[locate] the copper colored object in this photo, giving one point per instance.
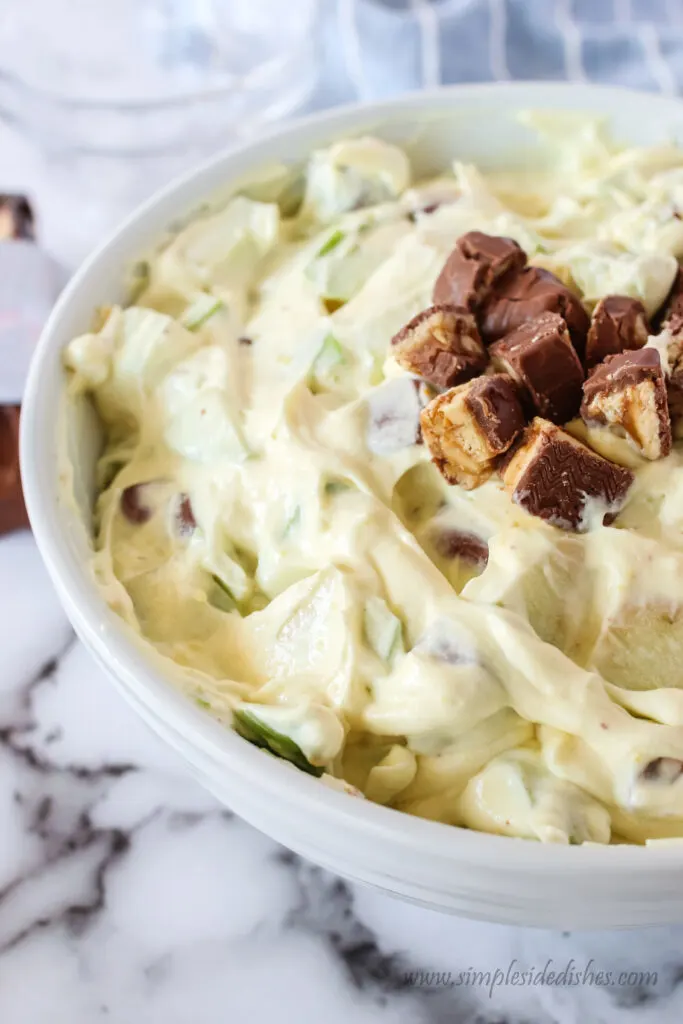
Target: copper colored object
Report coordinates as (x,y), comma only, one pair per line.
(442,345)
(627,393)
(16,217)
(553,476)
(474,266)
(618,324)
(467,428)
(12,509)
(540,357)
(17,226)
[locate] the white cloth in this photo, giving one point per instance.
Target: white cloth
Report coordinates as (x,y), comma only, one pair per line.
(375,48)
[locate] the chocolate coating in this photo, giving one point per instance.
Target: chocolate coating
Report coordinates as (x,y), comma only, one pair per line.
(442,345)
(452,543)
(477,261)
(553,476)
(619,323)
(541,358)
(494,405)
(468,427)
(671,313)
(638,377)
(662,769)
(134,506)
(627,369)
(524,295)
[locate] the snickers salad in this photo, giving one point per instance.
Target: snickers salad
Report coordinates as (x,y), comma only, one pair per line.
(391,479)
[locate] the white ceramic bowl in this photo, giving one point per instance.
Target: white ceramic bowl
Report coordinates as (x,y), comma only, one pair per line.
(451,869)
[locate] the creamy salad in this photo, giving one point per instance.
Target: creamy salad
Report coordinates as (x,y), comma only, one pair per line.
(271,521)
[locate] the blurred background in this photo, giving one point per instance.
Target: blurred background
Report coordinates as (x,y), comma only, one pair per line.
(101,101)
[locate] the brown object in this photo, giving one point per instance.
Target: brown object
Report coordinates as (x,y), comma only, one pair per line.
(12,509)
(618,324)
(674,387)
(468,427)
(541,358)
(16,222)
(670,319)
(451,543)
(16,218)
(553,476)
(425,210)
(524,295)
(442,345)
(671,339)
(662,769)
(134,506)
(628,393)
(671,313)
(470,271)
(185,521)
(675,399)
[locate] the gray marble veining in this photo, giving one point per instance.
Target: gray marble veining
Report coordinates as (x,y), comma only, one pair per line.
(128,895)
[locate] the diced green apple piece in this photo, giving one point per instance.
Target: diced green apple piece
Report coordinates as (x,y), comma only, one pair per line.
(249,726)
(324,371)
(383,630)
(198,312)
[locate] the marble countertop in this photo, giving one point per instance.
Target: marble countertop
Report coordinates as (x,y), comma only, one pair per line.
(128,896)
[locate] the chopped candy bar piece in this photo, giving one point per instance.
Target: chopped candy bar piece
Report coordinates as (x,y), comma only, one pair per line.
(674,389)
(628,394)
(135,505)
(671,314)
(555,477)
(442,345)
(471,269)
(662,769)
(451,543)
(458,552)
(521,296)
(16,218)
(619,323)
(468,427)
(669,345)
(541,358)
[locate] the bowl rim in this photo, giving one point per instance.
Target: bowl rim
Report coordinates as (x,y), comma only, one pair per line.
(117,646)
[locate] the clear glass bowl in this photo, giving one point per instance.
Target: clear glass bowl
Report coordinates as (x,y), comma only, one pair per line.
(119,97)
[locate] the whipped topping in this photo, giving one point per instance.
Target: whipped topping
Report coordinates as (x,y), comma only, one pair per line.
(284,545)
